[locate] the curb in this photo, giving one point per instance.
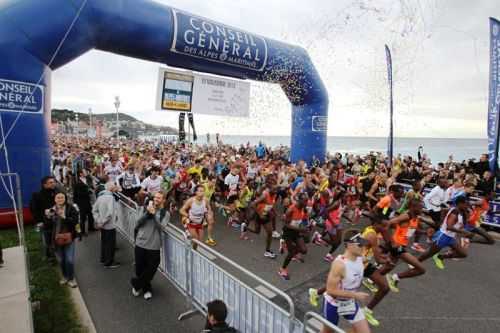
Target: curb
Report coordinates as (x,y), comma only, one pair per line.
(82,311)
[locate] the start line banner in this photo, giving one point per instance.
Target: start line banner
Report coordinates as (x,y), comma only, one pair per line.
(202,94)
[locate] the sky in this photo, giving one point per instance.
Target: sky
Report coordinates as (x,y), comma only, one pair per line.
(440,51)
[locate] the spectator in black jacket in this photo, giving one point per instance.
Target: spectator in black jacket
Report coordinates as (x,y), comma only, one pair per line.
(216,318)
(82,198)
(486,184)
(65,221)
(40,201)
(482,166)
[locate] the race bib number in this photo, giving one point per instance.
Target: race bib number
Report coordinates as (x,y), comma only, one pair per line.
(346,308)
(267,208)
(410,233)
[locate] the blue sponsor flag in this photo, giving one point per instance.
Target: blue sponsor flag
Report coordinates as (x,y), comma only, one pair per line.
(390,142)
(494,94)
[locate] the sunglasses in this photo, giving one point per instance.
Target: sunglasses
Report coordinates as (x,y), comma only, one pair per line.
(358,240)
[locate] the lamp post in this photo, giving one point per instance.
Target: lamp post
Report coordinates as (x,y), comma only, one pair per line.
(90,121)
(117,106)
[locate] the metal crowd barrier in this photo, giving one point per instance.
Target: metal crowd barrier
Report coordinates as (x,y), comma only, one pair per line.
(198,275)
(309,319)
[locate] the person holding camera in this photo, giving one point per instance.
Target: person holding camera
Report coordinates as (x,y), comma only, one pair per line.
(64,219)
(40,202)
(147,236)
(216,318)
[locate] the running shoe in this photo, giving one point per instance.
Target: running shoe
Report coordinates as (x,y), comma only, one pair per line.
(235,225)
(284,274)
(210,242)
(370,285)
(318,240)
(313,297)
(270,255)
(282,246)
(298,258)
(276,234)
(438,261)
(393,280)
(148,295)
(72,284)
(417,247)
(135,292)
(329,257)
(370,318)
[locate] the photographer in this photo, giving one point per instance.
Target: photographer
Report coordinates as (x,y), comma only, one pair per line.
(40,202)
(216,318)
(64,219)
(147,235)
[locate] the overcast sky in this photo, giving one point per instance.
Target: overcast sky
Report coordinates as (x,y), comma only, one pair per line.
(440,51)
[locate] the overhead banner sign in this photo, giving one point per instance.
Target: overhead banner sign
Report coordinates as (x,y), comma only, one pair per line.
(202,94)
(19,96)
(219,96)
(201,38)
(175,91)
(494,94)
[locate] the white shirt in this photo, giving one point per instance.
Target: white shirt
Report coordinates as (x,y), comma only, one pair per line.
(152,185)
(434,199)
(113,171)
(232,181)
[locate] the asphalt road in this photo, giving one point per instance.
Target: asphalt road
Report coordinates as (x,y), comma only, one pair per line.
(461,299)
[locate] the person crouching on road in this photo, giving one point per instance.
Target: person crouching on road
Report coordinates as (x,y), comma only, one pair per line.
(147,244)
(104,214)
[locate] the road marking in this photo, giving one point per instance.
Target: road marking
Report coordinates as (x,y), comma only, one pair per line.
(266,292)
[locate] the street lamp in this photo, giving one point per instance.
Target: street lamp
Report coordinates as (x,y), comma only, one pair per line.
(117,106)
(90,122)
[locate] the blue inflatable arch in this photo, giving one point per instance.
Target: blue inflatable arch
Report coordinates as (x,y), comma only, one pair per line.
(37,37)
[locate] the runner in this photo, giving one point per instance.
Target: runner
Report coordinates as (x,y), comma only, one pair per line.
(448,234)
(479,210)
(263,206)
(296,223)
(194,213)
(344,279)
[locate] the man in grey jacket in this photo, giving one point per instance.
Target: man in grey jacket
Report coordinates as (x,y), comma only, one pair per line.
(147,244)
(104,213)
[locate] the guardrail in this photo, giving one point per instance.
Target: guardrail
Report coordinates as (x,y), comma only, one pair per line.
(199,276)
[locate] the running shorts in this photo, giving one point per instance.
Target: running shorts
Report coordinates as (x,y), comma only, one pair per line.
(196,226)
(262,220)
(369,270)
(442,240)
(397,251)
(330,314)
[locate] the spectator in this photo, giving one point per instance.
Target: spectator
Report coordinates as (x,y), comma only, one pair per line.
(40,201)
(482,166)
(82,197)
(487,183)
(147,244)
(64,219)
(216,318)
(105,216)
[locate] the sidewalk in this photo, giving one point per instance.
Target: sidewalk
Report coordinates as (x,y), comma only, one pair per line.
(107,294)
(15,314)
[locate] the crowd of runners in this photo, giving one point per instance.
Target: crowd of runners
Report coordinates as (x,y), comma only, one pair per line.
(408,212)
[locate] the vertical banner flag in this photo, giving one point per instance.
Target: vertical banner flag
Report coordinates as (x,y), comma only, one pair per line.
(182,131)
(390,143)
(191,123)
(494,94)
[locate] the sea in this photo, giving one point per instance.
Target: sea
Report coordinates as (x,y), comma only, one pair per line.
(438,149)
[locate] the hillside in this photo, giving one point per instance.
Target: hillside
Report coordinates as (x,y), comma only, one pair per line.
(63,115)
